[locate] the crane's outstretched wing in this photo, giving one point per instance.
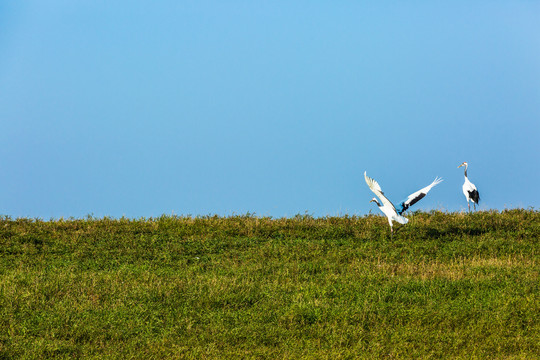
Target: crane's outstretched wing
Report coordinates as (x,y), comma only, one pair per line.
(416,196)
(374,186)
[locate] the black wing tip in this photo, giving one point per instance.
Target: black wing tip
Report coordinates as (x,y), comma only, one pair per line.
(407,204)
(417,199)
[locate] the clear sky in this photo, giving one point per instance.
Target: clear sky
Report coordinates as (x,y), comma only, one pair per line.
(139,108)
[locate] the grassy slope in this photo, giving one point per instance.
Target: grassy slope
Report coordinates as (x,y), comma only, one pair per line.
(447,285)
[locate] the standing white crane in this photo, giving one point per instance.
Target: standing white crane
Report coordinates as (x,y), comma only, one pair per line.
(391,212)
(469,189)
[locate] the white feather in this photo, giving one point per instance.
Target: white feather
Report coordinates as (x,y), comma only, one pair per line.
(387,207)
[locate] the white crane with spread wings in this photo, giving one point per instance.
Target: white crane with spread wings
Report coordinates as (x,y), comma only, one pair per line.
(391,212)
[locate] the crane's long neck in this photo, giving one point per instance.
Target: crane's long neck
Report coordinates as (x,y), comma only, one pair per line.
(376,202)
(466,165)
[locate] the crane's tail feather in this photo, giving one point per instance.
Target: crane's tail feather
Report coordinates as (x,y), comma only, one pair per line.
(402,220)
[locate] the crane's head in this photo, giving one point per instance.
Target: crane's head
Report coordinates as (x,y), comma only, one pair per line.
(375,201)
(463,164)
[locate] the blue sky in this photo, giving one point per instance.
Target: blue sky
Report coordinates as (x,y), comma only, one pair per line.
(138,109)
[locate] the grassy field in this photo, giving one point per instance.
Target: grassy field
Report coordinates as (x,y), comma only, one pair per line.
(447,285)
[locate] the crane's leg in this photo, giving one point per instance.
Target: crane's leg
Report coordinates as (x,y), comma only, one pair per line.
(474,204)
(469,205)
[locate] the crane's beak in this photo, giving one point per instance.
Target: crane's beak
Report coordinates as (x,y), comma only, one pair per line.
(460,165)
(372,200)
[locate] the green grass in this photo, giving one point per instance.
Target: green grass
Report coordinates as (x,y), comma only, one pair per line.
(447,285)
